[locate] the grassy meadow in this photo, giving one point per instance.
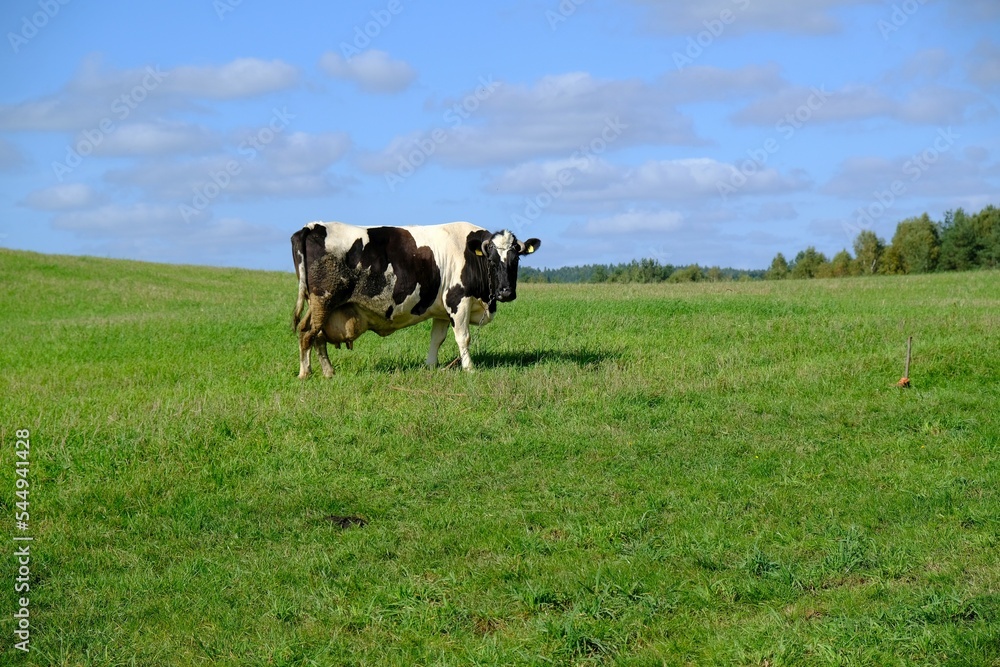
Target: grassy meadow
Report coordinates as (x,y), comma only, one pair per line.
(636,475)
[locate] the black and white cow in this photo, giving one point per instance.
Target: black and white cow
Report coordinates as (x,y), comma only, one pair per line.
(382,279)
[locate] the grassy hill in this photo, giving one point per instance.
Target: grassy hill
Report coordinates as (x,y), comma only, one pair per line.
(710,474)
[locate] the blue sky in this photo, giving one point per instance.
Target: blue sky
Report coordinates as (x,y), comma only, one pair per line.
(716,132)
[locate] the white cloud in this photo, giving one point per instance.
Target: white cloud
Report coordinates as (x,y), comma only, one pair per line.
(121,219)
(243,77)
(929,172)
(10,156)
(373,71)
(772,210)
(562,115)
(976,11)
(153,221)
(976,154)
(292,165)
(702,83)
(983,67)
(159,233)
(931,104)
(62,112)
(303,153)
(62,197)
(531,177)
(634,222)
(98,94)
(677,238)
(936,105)
(156,138)
(598,183)
(558,116)
(924,65)
(745,16)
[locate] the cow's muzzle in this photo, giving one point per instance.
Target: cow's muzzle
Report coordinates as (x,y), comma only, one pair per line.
(506,294)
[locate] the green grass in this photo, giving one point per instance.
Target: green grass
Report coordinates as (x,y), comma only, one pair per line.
(716,474)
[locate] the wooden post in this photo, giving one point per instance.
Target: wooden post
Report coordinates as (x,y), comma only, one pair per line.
(906,368)
(904,382)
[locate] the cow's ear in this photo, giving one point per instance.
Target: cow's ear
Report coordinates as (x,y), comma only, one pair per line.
(478,245)
(530,246)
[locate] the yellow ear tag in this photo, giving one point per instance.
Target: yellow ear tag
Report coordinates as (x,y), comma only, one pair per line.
(531,249)
(479,253)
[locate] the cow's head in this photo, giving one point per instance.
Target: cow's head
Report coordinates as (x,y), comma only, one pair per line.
(502,252)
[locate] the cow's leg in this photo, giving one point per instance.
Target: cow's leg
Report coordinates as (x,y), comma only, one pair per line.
(461,322)
(310,334)
(439,330)
(324,358)
(305,368)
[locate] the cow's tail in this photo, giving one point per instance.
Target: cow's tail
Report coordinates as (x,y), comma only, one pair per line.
(299,257)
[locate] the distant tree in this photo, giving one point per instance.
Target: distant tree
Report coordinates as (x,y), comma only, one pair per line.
(807,263)
(824,270)
(918,244)
(647,271)
(600,274)
(960,244)
(842,265)
(987,224)
(688,274)
(868,249)
(531,275)
(891,263)
(715,275)
(779,268)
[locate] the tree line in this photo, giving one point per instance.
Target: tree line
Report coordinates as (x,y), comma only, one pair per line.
(636,271)
(960,242)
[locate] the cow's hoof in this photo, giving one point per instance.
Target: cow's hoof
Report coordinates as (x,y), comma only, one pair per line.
(304,375)
(328,374)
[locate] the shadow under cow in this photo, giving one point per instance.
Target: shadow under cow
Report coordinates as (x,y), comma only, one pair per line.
(485,359)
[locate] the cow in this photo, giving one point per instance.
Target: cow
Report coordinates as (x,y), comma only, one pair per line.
(382,279)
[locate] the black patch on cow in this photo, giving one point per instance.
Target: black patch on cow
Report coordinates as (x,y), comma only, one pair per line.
(314,248)
(353,257)
(453,298)
(475,271)
(388,312)
(395,247)
(298,246)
